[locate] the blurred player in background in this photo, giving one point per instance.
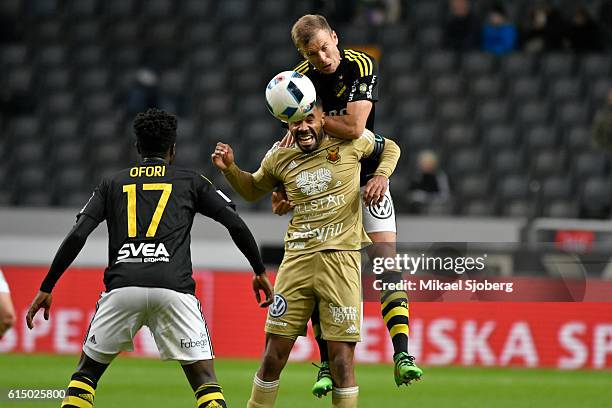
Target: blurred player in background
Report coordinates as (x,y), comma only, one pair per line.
(321,266)
(149,210)
(7,311)
(346,80)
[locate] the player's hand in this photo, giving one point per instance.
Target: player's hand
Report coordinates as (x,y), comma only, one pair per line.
(287,140)
(41,301)
(261,282)
(280,203)
(375,190)
(223,156)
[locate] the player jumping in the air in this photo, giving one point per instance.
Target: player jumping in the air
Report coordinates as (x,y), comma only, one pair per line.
(321,266)
(149,210)
(347,81)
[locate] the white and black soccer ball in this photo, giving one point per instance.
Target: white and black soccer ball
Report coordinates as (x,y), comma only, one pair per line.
(290,96)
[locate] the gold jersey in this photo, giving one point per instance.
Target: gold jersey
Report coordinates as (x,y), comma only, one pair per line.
(324,187)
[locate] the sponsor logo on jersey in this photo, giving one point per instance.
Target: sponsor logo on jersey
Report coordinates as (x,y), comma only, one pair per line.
(320,233)
(328,202)
(333,154)
(352,330)
(363,88)
(278,307)
(314,183)
(92,339)
(143,253)
(382,210)
(292,165)
(296,245)
(341,314)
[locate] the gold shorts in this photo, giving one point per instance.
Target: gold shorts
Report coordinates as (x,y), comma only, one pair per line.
(327,280)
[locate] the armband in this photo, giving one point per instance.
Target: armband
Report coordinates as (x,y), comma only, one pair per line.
(379,145)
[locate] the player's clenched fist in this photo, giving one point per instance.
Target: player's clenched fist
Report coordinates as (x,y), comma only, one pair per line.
(223,156)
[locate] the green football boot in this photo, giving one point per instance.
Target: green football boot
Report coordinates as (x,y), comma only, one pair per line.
(405,369)
(324,381)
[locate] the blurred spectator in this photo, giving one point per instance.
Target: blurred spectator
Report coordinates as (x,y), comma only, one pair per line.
(143,93)
(430,185)
(584,32)
(544,30)
(605,20)
(499,35)
(379,12)
(602,125)
(462,27)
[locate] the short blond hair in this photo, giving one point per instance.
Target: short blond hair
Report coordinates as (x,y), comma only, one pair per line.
(306,26)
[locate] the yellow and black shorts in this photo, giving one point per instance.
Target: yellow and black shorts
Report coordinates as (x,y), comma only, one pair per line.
(328,280)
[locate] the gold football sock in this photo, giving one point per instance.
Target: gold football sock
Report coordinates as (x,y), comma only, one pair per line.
(345,397)
(263,394)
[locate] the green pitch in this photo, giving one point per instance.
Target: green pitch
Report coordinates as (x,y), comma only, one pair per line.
(132,382)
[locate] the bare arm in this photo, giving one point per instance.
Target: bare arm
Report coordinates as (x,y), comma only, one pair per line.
(351,125)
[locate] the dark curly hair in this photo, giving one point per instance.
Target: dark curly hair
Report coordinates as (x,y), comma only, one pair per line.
(155,131)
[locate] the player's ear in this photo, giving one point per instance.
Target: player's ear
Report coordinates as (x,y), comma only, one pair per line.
(334,37)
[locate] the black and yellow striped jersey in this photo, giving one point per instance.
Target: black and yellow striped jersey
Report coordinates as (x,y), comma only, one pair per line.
(149,210)
(355,79)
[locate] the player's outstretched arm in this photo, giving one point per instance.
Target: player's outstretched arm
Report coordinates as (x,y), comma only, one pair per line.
(350,125)
(67,252)
(244,240)
(243,182)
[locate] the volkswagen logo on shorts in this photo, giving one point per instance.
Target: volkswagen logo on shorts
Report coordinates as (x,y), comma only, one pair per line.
(382,210)
(278,307)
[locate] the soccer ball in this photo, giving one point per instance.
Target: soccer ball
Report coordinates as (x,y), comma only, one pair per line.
(290,96)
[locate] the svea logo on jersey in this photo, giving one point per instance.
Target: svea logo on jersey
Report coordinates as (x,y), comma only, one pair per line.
(143,253)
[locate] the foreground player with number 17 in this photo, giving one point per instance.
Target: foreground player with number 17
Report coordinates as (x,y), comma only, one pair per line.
(321,265)
(149,210)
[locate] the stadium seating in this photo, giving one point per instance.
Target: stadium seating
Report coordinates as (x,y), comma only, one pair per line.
(499,124)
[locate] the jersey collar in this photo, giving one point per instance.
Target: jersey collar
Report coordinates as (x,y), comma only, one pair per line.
(153,159)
